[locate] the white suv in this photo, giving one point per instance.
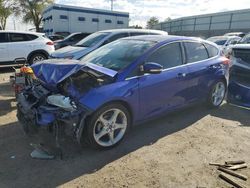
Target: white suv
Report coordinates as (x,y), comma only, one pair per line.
(16,47)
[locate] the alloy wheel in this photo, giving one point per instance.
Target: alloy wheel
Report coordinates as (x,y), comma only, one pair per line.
(110,127)
(218,93)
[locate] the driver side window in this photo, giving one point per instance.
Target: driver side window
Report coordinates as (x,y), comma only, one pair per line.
(168,56)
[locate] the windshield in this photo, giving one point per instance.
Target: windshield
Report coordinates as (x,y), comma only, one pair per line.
(245,39)
(218,41)
(92,39)
(118,54)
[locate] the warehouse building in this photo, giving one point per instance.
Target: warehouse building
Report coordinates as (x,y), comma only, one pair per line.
(69,19)
(208,24)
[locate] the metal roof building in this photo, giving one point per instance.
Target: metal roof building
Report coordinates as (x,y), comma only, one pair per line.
(64,18)
(207,25)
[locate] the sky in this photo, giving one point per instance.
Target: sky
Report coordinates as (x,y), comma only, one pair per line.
(141,10)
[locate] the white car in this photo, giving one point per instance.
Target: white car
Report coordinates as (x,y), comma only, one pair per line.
(225,43)
(16,47)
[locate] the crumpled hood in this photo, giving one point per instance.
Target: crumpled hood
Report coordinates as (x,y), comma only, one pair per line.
(68,51)
(53,71)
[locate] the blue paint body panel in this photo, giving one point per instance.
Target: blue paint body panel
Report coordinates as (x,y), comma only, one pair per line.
(148,95)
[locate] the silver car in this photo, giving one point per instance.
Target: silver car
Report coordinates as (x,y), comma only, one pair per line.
(99,39)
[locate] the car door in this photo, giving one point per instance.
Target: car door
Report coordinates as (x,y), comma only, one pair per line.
(239,82)
(20,46)
(4,47)
(165,91)
(201,68)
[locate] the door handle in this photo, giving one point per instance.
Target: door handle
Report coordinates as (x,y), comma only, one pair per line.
(181,75)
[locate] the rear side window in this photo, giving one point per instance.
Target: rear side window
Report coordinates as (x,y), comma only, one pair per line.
(19,37)
(137,33)
(195,52)
(212,50)
(3,37)
(168,56)
(116,37)
(31,37)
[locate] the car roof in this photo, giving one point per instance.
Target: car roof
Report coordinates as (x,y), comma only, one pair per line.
(224,37)
(134,30)
(164,38)
(22,32)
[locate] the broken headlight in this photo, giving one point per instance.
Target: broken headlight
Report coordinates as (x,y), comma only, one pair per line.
(62,101)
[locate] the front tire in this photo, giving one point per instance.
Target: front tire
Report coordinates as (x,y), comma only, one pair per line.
(107,126)
(217,94)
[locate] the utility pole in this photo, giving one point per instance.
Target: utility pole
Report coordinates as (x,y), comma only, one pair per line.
(112,5)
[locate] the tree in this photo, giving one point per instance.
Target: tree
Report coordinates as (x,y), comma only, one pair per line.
(167,19)
(32,11)
(135,26)
(6,9)
(152,21)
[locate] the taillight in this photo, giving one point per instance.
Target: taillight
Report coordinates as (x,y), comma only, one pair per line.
(226,61)
(50,43)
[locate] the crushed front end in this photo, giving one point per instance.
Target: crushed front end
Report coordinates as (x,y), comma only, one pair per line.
(39,108)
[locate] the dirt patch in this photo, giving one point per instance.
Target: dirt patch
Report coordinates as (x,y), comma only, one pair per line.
(173,151)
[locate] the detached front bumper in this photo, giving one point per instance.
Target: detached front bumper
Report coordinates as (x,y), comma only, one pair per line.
(34,113)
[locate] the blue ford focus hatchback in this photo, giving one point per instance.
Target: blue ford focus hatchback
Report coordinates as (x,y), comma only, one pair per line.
(120,84)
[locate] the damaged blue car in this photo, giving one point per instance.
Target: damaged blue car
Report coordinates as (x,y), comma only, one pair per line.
(125,82)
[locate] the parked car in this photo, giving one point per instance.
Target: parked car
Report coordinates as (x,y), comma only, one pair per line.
(18,46)
(239,85)
(70,40)
(245,39)
(225,42)
(99,39)
(123,83)
(238,34)
(56,37)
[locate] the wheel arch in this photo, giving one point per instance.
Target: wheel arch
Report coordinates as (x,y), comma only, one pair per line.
(37,52)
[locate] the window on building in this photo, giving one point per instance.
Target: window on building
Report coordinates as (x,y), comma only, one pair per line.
(63,17)
(168,56)
(95,20)
(81,19)
(108,21)
(195,52)
(120,22)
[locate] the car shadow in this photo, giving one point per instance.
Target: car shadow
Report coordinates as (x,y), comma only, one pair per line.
(229,112)
(78,161)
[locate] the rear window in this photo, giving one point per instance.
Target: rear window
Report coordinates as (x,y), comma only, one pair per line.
(195,52)
(19,37)
(212,50)
(3,37)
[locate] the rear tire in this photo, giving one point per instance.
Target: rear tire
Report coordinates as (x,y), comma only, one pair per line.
(37,57)
(217,94)
(107,127)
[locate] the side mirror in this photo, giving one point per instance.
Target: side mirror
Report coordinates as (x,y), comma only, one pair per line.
(151,68)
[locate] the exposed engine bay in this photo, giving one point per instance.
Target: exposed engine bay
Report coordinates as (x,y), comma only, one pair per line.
(58,110)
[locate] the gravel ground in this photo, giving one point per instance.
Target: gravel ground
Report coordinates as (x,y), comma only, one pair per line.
(170,152)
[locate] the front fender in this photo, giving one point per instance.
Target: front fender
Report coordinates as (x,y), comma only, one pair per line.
(126,91)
